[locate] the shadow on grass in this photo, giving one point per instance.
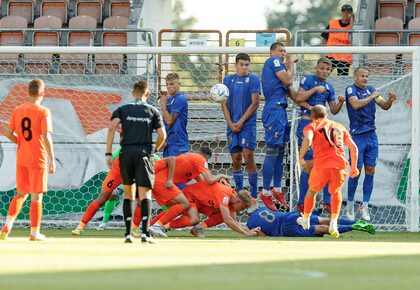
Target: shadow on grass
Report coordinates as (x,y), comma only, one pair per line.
(354,236)
(386,272)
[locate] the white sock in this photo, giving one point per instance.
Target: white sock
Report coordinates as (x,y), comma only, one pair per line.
(365,205)
(35,233)
(333,224)
(266,192)
(9,223)
(277,189)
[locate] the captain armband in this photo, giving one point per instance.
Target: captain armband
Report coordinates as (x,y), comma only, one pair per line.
(378,99)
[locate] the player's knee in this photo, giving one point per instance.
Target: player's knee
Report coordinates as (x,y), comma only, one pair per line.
(370,170)
(185,203)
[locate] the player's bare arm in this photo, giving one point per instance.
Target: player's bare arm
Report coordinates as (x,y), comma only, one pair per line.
(168,117)
(46,138)
(10,134)
(354,172)
(303,95)
(110,139)
(386,105)
(335,107)
(170,163)
(226,113)
(161,138)
(250,111)
(357,103)
(305,105)
(210,178)
(234,225)
(286,76)
(306,143)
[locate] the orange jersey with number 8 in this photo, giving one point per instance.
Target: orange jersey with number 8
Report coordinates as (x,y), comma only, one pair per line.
(29,122)
(328,144)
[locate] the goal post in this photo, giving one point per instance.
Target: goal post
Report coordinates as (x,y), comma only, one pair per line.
(85,101)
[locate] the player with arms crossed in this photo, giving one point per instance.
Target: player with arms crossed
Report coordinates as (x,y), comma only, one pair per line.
(315,90)
(240,111)
(219,202)
(175,117)
(30,128)
(277,78)
(330,164)
(361,107)
(286,224)
(138,121)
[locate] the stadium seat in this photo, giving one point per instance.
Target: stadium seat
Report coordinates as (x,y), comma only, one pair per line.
(56,8)
(24,8)
(77,63)
(120,8)
(112,63)
(416,12)
(388,38)
(42,63)
(414,38)
(10,62)
(393,8)
(91,8)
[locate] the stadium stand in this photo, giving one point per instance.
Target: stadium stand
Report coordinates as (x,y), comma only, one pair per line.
(388,38)
(90,8)
(23,8)
(392,8)
(120,8)
(9,63)
(56,8)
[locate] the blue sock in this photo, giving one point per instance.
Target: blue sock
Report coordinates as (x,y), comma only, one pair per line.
(345,222)
(238,176)
(303,186)
(326,196)
(352,186)
(367,187)
(253,183)
(268,167)
(181,185)
(344,228)
(278,169)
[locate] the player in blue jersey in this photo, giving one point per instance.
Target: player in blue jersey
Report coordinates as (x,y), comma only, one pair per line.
(175,116)
(240,111)
(315,90)
(276,224)
(277,78)
(361,101)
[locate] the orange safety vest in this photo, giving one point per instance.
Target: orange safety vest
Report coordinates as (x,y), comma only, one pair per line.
(339,39)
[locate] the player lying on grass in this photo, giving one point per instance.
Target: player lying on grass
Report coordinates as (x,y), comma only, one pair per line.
(177,170)
(276,224)
(219,202)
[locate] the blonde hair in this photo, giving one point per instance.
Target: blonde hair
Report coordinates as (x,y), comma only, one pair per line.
(36,88)
(172,76)
(245,196)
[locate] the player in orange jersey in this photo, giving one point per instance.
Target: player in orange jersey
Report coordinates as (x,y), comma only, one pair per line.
(219,202)
(178,170)
(30,128)
(330,164)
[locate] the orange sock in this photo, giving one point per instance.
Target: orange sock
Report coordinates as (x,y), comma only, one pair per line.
(170,214)
(35,214)
(137,216)
(156,218)
(89,213)
(213,220)
(180,222)
(336,200)
(308,206)
(15,207)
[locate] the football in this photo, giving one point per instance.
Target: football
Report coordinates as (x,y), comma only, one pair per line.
(219,92)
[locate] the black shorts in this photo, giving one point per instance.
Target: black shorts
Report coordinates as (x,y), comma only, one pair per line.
(138,168)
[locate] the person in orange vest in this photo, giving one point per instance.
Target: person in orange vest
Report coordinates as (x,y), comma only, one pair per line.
(340,61)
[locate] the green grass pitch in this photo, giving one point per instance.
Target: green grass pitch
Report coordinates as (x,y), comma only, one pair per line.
(224,260)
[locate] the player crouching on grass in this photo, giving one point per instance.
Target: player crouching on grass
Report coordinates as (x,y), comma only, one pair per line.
(219,202)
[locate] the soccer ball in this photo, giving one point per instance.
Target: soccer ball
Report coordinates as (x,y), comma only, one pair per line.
(219,92)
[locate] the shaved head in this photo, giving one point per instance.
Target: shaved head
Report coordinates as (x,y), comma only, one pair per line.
(318,112)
